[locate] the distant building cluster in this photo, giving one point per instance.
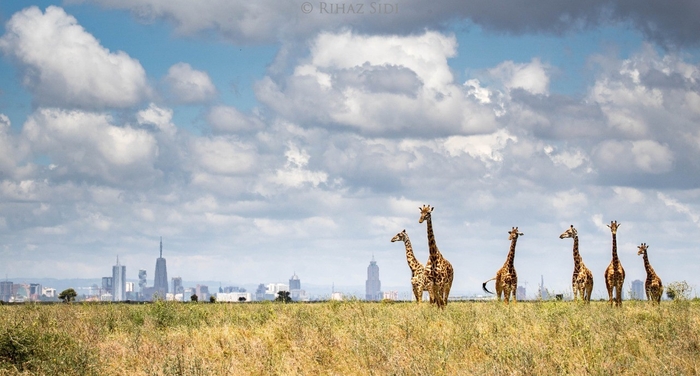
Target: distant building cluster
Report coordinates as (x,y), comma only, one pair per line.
(25,292)
(116,288)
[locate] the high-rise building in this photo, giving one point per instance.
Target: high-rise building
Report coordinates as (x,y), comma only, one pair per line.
(107,283)
(294,282)
(543,292)
(260,292)
(295,291)
(373,286)
(6,290)
(520,293)
(118,282)
(160,283)
(177,285)
(637,290)
(202,292)
(142,280)
(34,291)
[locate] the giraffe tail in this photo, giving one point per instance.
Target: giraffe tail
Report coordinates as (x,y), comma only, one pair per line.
(483,285)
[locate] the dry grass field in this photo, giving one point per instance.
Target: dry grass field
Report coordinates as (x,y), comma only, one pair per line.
(351,338)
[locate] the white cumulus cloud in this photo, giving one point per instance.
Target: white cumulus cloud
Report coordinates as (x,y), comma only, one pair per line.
(63,65)
(89,145)
(188,85)
(379,85)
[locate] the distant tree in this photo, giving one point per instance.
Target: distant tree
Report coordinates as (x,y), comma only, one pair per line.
(67,295)
(212,299)
(678,290)
(284,297)
(241,299)
(194,297)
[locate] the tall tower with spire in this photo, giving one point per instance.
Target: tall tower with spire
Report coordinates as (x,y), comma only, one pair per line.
(118,282)
(160,283)
(373,286)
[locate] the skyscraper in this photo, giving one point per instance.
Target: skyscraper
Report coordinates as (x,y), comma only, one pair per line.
(118,282)
(142,280)
(107,283)
(160,283)
(544,293)
(638,292)
(5,290)
(373,286)
(294,282)
(177,285)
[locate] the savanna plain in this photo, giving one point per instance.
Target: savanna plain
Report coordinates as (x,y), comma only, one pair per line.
(351,338)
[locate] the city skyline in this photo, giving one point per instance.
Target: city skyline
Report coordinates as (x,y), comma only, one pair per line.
(304,142)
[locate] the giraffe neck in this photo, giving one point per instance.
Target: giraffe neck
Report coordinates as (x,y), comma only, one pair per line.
(577,256)
(432,247)
(615,260)
(413,263)
(647,265)
(511,254)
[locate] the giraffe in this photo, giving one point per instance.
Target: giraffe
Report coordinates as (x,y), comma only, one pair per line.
(419,278)
(506,277)
(440,272)
(582,281)
(614,274)
(652,285)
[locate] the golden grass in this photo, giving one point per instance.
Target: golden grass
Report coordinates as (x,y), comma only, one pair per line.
(351,338)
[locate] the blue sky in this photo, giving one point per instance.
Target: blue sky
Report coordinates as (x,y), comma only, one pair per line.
(259,140)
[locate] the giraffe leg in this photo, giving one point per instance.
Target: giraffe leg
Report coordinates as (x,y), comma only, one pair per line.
(431,297)
(608,285)
(448,287)
(436,294)
(418,292)
(618,295)
(589,290)
(499,286)
(506,293)
(443,300)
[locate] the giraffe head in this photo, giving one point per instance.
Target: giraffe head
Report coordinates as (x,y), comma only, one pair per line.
(514,234)
(613,226)
(401,236)
(642,249)
(569,233)
(425,213)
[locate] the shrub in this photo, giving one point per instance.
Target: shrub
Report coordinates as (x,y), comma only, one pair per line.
(67,295)
(678,290)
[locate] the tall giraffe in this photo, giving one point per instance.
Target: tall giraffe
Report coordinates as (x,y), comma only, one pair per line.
(440,274)
(614,274)
(652,285)
(582,281)
(419,278)
(506,277)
